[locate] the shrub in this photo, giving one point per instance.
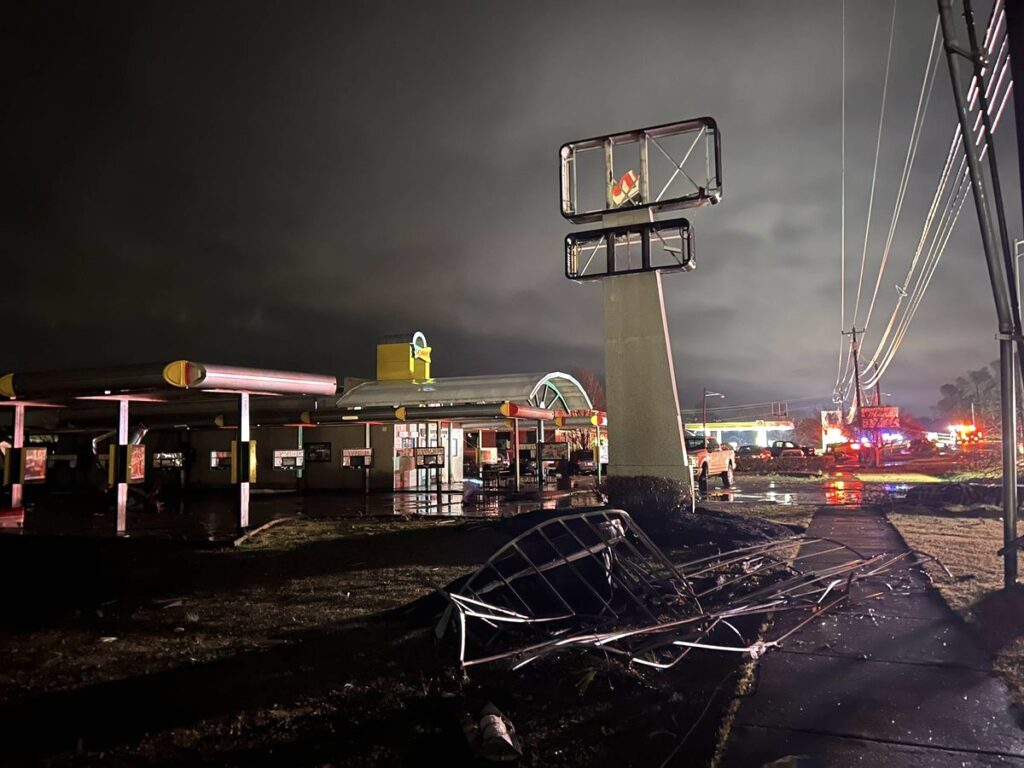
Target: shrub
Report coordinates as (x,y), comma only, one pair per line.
(654,502)
(782,465)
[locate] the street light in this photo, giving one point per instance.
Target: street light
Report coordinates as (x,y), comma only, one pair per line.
(704,411)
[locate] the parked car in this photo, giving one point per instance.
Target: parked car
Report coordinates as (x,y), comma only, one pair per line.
(787,448)
(582,463)
(753,452)
(845,453)
(708,458)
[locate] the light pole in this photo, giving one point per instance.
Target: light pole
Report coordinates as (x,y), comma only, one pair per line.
(704,411)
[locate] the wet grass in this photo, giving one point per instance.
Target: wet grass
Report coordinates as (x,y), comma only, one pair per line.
(783,514)
(967,546)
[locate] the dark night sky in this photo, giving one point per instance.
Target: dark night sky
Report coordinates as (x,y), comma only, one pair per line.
(280,184)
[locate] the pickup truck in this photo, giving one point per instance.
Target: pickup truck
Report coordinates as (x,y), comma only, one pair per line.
(708,458)
(788,448)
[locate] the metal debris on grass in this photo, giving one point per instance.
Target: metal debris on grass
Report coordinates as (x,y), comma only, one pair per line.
(595,580)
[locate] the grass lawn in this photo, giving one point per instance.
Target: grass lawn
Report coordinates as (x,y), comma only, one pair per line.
(967,546)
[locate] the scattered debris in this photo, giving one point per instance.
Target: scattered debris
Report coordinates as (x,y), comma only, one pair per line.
(492,735)
(595,580)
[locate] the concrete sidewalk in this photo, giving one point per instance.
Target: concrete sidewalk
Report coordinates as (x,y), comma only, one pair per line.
(895,681)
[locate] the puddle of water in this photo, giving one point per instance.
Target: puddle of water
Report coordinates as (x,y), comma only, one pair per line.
(839,491)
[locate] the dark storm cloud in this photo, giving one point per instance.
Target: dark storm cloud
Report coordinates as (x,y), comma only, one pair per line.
(281,184)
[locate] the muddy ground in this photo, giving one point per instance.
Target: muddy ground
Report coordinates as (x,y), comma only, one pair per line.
(312,644)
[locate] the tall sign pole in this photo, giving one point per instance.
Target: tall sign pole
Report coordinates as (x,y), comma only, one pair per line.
(628,254)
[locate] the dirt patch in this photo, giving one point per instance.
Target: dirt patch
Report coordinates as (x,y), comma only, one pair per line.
(967,546)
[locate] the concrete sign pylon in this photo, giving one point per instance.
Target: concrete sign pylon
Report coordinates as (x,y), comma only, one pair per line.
(644,425)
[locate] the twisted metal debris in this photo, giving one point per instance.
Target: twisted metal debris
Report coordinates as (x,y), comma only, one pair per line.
(595,580)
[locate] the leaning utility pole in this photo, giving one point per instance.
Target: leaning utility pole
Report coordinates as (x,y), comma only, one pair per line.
(996,257)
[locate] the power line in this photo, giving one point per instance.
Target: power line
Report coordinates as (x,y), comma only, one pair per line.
(908,164)
(842,219)
(954,201)
(874,172)
(950,196)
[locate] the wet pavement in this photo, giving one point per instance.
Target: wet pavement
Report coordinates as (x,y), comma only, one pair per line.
(895,678)
(211,516)
(838,490)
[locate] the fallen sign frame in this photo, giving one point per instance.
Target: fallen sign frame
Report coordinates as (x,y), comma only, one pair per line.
(594,580)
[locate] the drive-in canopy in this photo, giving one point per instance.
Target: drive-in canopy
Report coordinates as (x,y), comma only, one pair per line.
(555,391)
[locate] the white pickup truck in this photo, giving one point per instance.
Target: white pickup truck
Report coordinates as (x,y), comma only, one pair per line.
(707,458)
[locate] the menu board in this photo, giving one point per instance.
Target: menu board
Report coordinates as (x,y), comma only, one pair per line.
(357,457)
(289,459)
(168,461)
(429,457)
(220,459)
(35,464)
(136,463)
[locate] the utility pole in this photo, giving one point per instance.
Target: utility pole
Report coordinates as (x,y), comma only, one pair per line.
(856,368)
(704,412)
(999,260)
(855,348)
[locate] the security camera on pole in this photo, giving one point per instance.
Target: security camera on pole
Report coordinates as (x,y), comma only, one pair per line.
(663,168)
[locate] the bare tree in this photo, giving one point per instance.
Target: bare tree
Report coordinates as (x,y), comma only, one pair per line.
(593,385)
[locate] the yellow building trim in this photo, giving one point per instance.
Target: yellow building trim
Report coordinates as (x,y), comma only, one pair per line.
(176,374)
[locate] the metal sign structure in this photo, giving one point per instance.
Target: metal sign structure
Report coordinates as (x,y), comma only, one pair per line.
(879,417)
(664,246)
(661,168)
(623,180)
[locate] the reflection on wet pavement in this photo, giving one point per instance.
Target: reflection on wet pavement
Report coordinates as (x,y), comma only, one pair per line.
(211,516)
(835,491)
